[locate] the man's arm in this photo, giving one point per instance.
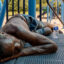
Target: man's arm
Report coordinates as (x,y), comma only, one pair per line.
(44,24)
(44,28)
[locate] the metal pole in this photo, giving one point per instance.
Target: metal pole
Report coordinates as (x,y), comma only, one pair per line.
(32,7)
(58,7)
(23,6)
(51,12)
(18,6)
(54,12)
(2,14)
(62,11)
(12,7)
(0,5)
(40,10)
(47,13)
(7,10)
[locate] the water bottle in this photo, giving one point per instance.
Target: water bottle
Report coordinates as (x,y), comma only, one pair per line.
(55,32)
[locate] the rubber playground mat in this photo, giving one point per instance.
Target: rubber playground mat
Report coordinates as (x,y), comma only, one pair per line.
(56,58)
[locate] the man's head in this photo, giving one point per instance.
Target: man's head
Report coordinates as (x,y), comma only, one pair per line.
(9,45)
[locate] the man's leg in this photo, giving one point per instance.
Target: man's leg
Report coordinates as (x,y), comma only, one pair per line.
(17,28)
(42,44)
(9,45)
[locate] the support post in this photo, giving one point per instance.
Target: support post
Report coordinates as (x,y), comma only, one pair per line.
(51,12)
(62,11)
(6,11)
(57,7)
(23,6)
(0,5)
(47,13)
(12,7)
(2,14)
(40,10)
(32,7)
(18,6)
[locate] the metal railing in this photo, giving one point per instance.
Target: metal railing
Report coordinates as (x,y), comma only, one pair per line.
(40,10)
(7,15)
(54,12)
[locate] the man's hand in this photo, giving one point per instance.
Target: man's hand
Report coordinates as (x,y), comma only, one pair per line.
(49,28)
(48,25)
(47,31)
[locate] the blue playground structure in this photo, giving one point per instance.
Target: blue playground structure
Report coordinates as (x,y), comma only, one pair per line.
(0,5)
(62,11)
(55,12)
(50,12)
(50,15)
(2,12)
(32,7)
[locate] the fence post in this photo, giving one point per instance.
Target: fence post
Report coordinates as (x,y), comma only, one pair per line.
(32,7)
(18,6)
(2,14)
(23,6)
(57,7)
(62,11)
(40,9)
(0,5)
(51,12)
(6,11)
(12,7)
(47,13)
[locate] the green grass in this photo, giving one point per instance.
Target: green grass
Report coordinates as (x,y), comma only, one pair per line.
(10,13)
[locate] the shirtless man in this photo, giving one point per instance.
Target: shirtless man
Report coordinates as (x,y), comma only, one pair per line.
(22,28)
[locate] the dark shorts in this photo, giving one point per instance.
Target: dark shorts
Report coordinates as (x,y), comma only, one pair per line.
(33,24)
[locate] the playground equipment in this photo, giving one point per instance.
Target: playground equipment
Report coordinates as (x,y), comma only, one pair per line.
(32,8)
(50,17)
(44,9)
(2,13)
(62,10)
(50,13)
(55,12)
(0,5)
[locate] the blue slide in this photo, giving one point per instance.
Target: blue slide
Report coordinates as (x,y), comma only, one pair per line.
(2,12)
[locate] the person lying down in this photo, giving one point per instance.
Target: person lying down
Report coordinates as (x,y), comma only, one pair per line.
(21,29)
